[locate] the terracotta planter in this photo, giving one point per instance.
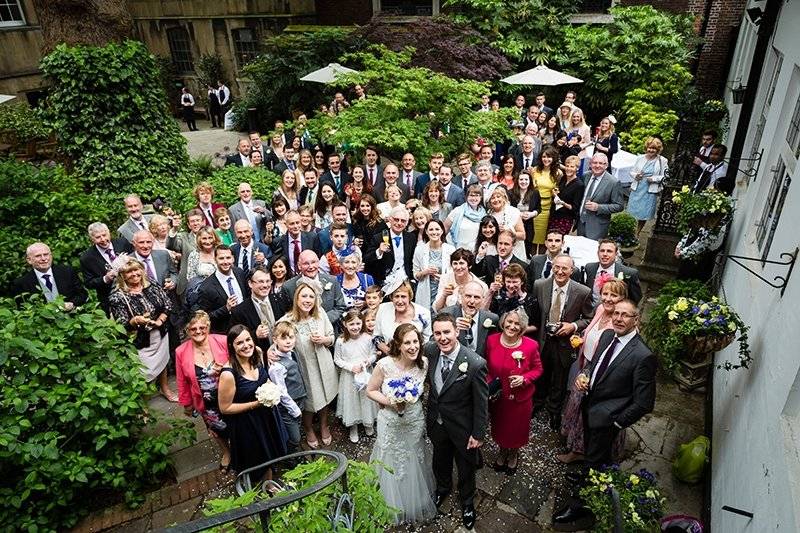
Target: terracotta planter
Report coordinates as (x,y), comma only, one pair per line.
(697,348)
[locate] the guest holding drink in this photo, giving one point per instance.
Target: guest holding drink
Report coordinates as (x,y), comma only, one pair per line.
(198,363)
(566,198)
(612,292)
(452,283)
(431,260)
(513,366)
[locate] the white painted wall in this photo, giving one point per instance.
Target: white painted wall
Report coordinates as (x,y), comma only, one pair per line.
(756,440)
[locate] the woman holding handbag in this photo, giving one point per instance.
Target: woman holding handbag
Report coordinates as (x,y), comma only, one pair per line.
(513,365)
(648,174)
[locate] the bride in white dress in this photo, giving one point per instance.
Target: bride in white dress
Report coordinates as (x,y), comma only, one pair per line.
(405,475)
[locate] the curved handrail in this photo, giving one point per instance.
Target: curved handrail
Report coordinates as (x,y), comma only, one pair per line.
(270,503)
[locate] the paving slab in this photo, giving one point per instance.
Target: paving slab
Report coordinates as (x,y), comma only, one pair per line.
(177,514)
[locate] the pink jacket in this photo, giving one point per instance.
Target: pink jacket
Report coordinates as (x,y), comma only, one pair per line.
(188,388)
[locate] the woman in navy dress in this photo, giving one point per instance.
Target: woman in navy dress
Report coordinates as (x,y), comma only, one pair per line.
(256,432)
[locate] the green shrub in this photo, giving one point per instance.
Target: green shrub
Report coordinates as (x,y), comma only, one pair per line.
(72,417)
(22,122)
(622,229)
(46,204)
(225,182)
(108,108)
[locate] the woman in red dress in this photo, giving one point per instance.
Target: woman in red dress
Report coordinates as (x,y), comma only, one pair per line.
(514,364)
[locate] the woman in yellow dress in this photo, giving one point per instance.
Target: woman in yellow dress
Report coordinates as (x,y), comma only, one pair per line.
(545,178)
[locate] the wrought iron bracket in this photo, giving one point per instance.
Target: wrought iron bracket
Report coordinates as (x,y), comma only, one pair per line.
(751,172)
(778,282)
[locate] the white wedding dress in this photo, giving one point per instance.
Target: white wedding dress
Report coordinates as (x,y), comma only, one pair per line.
(404,463)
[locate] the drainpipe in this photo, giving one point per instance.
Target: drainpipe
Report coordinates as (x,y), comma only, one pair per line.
(766,29)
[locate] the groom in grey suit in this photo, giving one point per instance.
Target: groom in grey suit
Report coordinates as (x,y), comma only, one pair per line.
(603,197)
(457,413)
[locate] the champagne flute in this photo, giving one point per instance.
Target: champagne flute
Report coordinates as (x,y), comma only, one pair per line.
(385,236)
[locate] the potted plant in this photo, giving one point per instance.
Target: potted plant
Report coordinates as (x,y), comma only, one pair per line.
(702,218)
(641,503)
(622,229)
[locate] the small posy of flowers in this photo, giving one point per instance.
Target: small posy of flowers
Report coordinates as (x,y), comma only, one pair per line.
(694,318)
(641,502)
(692,205)
(404,390)
(268,394)
(463,367)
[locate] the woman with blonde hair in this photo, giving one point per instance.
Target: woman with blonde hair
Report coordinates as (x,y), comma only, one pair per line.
(143,308)
(508,217)
(314,339)
(578,127)
(648,176)
(565,115)
(607,141)
(305,161)
(433,199)
(289,188)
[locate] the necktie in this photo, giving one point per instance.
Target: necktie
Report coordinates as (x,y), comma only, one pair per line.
(445,368)
(397,241)
(527,162)
(296,254)
(245,260)
(606,359)
(230,286)
(47,282)
(141,224)
(290,164)
(409,180)
(148,263)
(337,180)
(209,217)
(264,311)
(371,177)
(110,253)
(548,267)
(555,309)
(503,265)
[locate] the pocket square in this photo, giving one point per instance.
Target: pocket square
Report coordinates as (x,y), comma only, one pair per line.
(461,378)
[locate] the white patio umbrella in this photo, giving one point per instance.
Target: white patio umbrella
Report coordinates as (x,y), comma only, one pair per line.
(541,75)
(328,74)
(5,98)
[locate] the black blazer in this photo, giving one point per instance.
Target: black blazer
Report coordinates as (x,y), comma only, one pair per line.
(93,267)
(235,159)
(463,401)
(630,277)
(308,241)
(490,265)
(345,179)
(213,297)
(380,190)
(246,313)
(379,268)
(257,247)
(66,281)
(627,389)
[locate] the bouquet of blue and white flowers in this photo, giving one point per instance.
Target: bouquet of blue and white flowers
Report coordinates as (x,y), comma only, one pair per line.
(404,390)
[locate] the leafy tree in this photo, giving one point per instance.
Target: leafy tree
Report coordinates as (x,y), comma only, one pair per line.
(642,43)
(527,31)
(45,204)
(76,426)
(276,87)
(23,124)
(452,49)
(209,70)
(409,109)
(108,109)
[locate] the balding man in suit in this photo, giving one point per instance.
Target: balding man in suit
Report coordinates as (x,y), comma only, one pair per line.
(49,279)
(602,197)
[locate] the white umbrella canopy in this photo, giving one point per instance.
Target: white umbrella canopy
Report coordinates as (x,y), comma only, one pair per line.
(328,74)
(541,75)
(5,98)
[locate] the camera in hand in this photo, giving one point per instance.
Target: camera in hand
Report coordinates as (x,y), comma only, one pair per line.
(552,327)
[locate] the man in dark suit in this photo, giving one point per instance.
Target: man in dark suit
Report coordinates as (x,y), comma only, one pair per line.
(96,262)
(453,194)
(247,253)
(52,280)
(250,209)
(566,307)
(620,389)
(602,198)
(222,291)
(256,312)
(390,177)
(541,266)
(487,266)
(339,213)
(136,220)
(309,191)
(541,105)
(382,258)
(457,413)
(184,242)
(336,176)
(408,176)
(434,165)
(287,163)
(610,267)
(158,264)
(529,156)
(465,176)
(373,172)
(472,333)
(326,286)
(242,157)
(294,241)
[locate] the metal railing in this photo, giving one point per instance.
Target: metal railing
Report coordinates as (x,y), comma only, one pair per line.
(264,507)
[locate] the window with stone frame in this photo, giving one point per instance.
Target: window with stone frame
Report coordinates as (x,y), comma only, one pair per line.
(11,13)
(245,45)
(180,49)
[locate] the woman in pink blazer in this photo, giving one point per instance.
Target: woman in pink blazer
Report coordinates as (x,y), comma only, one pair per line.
(198,362)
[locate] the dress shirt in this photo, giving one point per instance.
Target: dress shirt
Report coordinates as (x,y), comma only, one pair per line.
(257,304)
(104,252)
(594,181)
(290,252)
(141,223)
(248,253)
(223,281)
(49,294)
(474,327)
(527,161)
(372,175)
(399,251)
(437,376)
(208,213)
(620,345)
(149,266)
(408,179)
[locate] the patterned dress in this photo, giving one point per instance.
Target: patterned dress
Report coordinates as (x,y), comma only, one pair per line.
(208,380)
(407,484)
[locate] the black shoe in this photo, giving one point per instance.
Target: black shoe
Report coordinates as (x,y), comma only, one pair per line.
(439,497)
(573,518)
(575,478)
(468,517)
(555,422)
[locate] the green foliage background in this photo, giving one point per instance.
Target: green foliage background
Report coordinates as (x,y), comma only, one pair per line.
(109,112)
(24,122)
(75,426)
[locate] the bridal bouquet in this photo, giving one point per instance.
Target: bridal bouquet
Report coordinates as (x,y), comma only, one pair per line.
(268,394)
(404,390)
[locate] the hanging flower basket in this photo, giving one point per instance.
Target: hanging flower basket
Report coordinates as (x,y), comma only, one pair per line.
(698,347)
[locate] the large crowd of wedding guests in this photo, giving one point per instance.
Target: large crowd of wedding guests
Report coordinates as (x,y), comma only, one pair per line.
(411,300)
